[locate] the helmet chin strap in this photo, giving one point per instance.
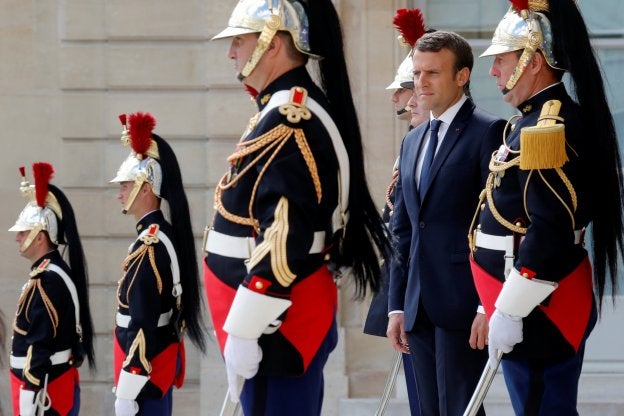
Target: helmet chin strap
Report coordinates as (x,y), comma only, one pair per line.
(31,237)
(523,62)
(138,182)
(404,110)
(269,30)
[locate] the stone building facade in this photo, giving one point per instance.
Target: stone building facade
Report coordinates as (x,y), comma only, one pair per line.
(68,68)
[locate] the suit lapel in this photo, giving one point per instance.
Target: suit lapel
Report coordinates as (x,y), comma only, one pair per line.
(451,137)
(415,151)
(407,163)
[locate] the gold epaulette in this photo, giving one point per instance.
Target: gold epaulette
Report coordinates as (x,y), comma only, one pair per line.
(295,109)
(43,266)
(543,146)
(151,237)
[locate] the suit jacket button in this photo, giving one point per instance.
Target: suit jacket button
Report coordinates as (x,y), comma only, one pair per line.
(421,224)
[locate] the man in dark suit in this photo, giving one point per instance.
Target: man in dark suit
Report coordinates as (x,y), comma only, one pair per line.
(433,304)
(410,24)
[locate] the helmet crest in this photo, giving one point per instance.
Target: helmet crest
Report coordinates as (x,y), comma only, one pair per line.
(410,24)
(42,173)
(141,127)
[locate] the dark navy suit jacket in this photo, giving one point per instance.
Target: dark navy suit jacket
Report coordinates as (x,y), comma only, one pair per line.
(431,235)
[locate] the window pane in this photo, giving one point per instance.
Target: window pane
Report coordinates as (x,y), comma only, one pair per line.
(604,16)
(612,61)
(465,15)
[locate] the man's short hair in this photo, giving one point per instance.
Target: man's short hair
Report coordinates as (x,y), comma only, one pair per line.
(438,40)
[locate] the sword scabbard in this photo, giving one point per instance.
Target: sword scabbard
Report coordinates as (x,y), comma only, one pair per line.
(482,387)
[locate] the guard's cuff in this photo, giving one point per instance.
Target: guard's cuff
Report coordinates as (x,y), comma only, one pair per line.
(521,294)
(251,313)
(129,385)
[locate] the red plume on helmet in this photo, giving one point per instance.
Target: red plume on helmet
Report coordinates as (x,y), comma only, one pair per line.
(520,5)
(141,126)
(410,24)
(42,173)
(534,5)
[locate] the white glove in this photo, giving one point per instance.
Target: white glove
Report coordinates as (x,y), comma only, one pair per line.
(242,358)
(26,402)
(505,331)
(126,407)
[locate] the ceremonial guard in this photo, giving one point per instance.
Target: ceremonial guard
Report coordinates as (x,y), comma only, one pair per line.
(52,330)
(157,297)
(293,211)
(530,266)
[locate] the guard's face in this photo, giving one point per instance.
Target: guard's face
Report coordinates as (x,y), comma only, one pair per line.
(400,97)
(124,191)
(241,49)
(436,82)
(20,238)
(501,69)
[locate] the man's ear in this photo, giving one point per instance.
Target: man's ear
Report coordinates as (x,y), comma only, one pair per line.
(463,76)
(40,238)
(146,188)
(275,45)
(537,62)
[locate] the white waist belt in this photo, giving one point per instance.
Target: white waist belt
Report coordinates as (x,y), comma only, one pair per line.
(60,357)
(506,243)
(242,247)
(123,321)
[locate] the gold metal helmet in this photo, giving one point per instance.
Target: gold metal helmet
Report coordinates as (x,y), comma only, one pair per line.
(524,27)
(142,164)
(267,17)
(43,212)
